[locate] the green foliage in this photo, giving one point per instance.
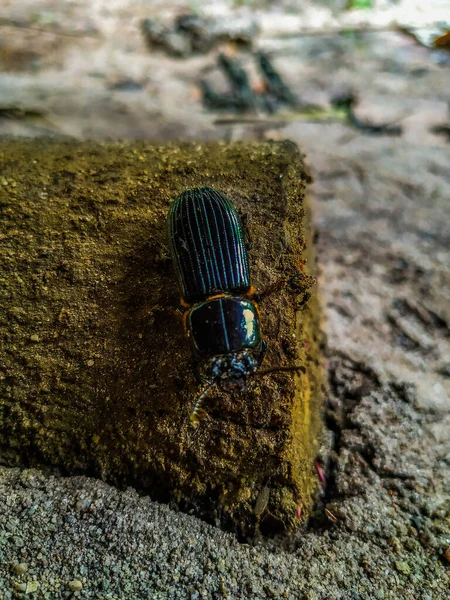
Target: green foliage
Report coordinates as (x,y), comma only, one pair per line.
(360,4)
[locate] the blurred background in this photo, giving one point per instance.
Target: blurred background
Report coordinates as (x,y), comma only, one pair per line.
(227,69)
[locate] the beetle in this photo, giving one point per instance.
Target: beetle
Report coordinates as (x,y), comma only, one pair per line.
(209,246)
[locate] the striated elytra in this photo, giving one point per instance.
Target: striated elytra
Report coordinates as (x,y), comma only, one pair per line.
(209,248)
(208,245)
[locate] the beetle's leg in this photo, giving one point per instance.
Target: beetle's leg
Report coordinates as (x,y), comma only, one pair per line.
(274,287)
(181,310)
(297,282)
(198,413)
(177,312)
(271,289)
(280,370)
(168,310)
(304,301)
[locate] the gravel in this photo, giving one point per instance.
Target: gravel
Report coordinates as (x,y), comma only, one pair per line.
(116,544)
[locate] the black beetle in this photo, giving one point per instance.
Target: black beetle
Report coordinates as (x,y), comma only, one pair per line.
(209,244)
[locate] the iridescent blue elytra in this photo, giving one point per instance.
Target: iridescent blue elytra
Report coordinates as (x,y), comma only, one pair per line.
(209,250)
(208,245)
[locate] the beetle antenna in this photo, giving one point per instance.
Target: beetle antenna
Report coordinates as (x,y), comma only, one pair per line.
(279,370)
(198,413)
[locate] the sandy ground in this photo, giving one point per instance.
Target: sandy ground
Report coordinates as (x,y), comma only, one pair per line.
(381,208)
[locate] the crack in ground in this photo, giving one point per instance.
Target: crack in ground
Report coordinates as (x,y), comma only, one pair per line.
(349,382)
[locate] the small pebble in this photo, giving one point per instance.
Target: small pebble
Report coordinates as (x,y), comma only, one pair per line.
(396,545)
(20,568)
(75,585)
(403,567)
(32,586)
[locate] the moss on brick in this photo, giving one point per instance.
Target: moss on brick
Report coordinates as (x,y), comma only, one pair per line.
(96,372)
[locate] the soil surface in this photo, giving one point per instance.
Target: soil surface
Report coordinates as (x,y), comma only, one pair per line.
(381,208)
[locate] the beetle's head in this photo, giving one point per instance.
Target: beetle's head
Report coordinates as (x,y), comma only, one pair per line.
(231,371)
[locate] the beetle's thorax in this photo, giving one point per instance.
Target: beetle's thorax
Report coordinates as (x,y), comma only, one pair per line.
(231,371)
